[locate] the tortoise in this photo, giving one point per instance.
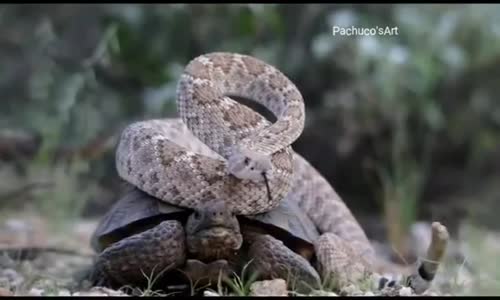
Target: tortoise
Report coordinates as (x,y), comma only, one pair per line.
(141,235)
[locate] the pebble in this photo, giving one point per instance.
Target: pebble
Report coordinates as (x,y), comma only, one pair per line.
(405,291)
(88,294)
(321,293)
(272,288)
(350,290)
(64,293)
(35,292)
(12,277)
(430,292)
(107,291)
(99,291)
(208,293)
(102,291)
(390,292)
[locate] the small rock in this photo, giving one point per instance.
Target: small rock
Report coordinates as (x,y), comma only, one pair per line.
(64,293)
(5,292)
(321,293)
(405,291)
(35,292)
(275,287)
(106,292)
(89,294)
(369,294)
(350,290)
(430,292)
(208,293)
(12,277)
(390,291)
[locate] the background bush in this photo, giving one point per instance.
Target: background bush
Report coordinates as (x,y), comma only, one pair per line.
(404,126)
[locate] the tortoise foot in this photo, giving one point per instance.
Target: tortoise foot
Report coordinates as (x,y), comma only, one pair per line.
(142,257)
(271,259)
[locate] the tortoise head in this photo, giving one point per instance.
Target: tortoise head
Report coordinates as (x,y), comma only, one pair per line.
(213,231)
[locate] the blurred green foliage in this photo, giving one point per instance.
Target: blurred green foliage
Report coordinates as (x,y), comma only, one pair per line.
(408,120)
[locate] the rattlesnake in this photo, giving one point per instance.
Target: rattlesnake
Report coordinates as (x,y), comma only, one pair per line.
(219,148)
(235,149)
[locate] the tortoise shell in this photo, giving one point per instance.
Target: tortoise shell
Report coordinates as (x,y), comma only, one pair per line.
(137,211)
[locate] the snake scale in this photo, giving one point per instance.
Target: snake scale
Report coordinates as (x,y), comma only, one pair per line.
(220,148)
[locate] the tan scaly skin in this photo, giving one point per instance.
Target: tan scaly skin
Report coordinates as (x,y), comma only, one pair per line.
(234,147)
(221,149)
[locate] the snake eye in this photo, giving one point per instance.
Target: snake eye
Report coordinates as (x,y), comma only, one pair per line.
(196,215)
(246,161)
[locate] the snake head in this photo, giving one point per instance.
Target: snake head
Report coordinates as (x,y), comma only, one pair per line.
(247,164)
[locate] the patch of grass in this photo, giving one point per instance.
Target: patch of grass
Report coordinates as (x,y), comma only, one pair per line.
(483,247)
(66,118)
(34,279)
(457,287)
(240,284)
(64,202)
(475,275)
(194,288)
(148,291)
(333,284)
(402,187)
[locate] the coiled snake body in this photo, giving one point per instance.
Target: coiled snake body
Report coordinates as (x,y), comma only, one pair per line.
(221,149)
(228,149)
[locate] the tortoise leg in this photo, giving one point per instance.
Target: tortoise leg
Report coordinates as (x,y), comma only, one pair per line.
(270,258)
(133,260)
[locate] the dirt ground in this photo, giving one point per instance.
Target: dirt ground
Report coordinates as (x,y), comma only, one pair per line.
(41,259)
